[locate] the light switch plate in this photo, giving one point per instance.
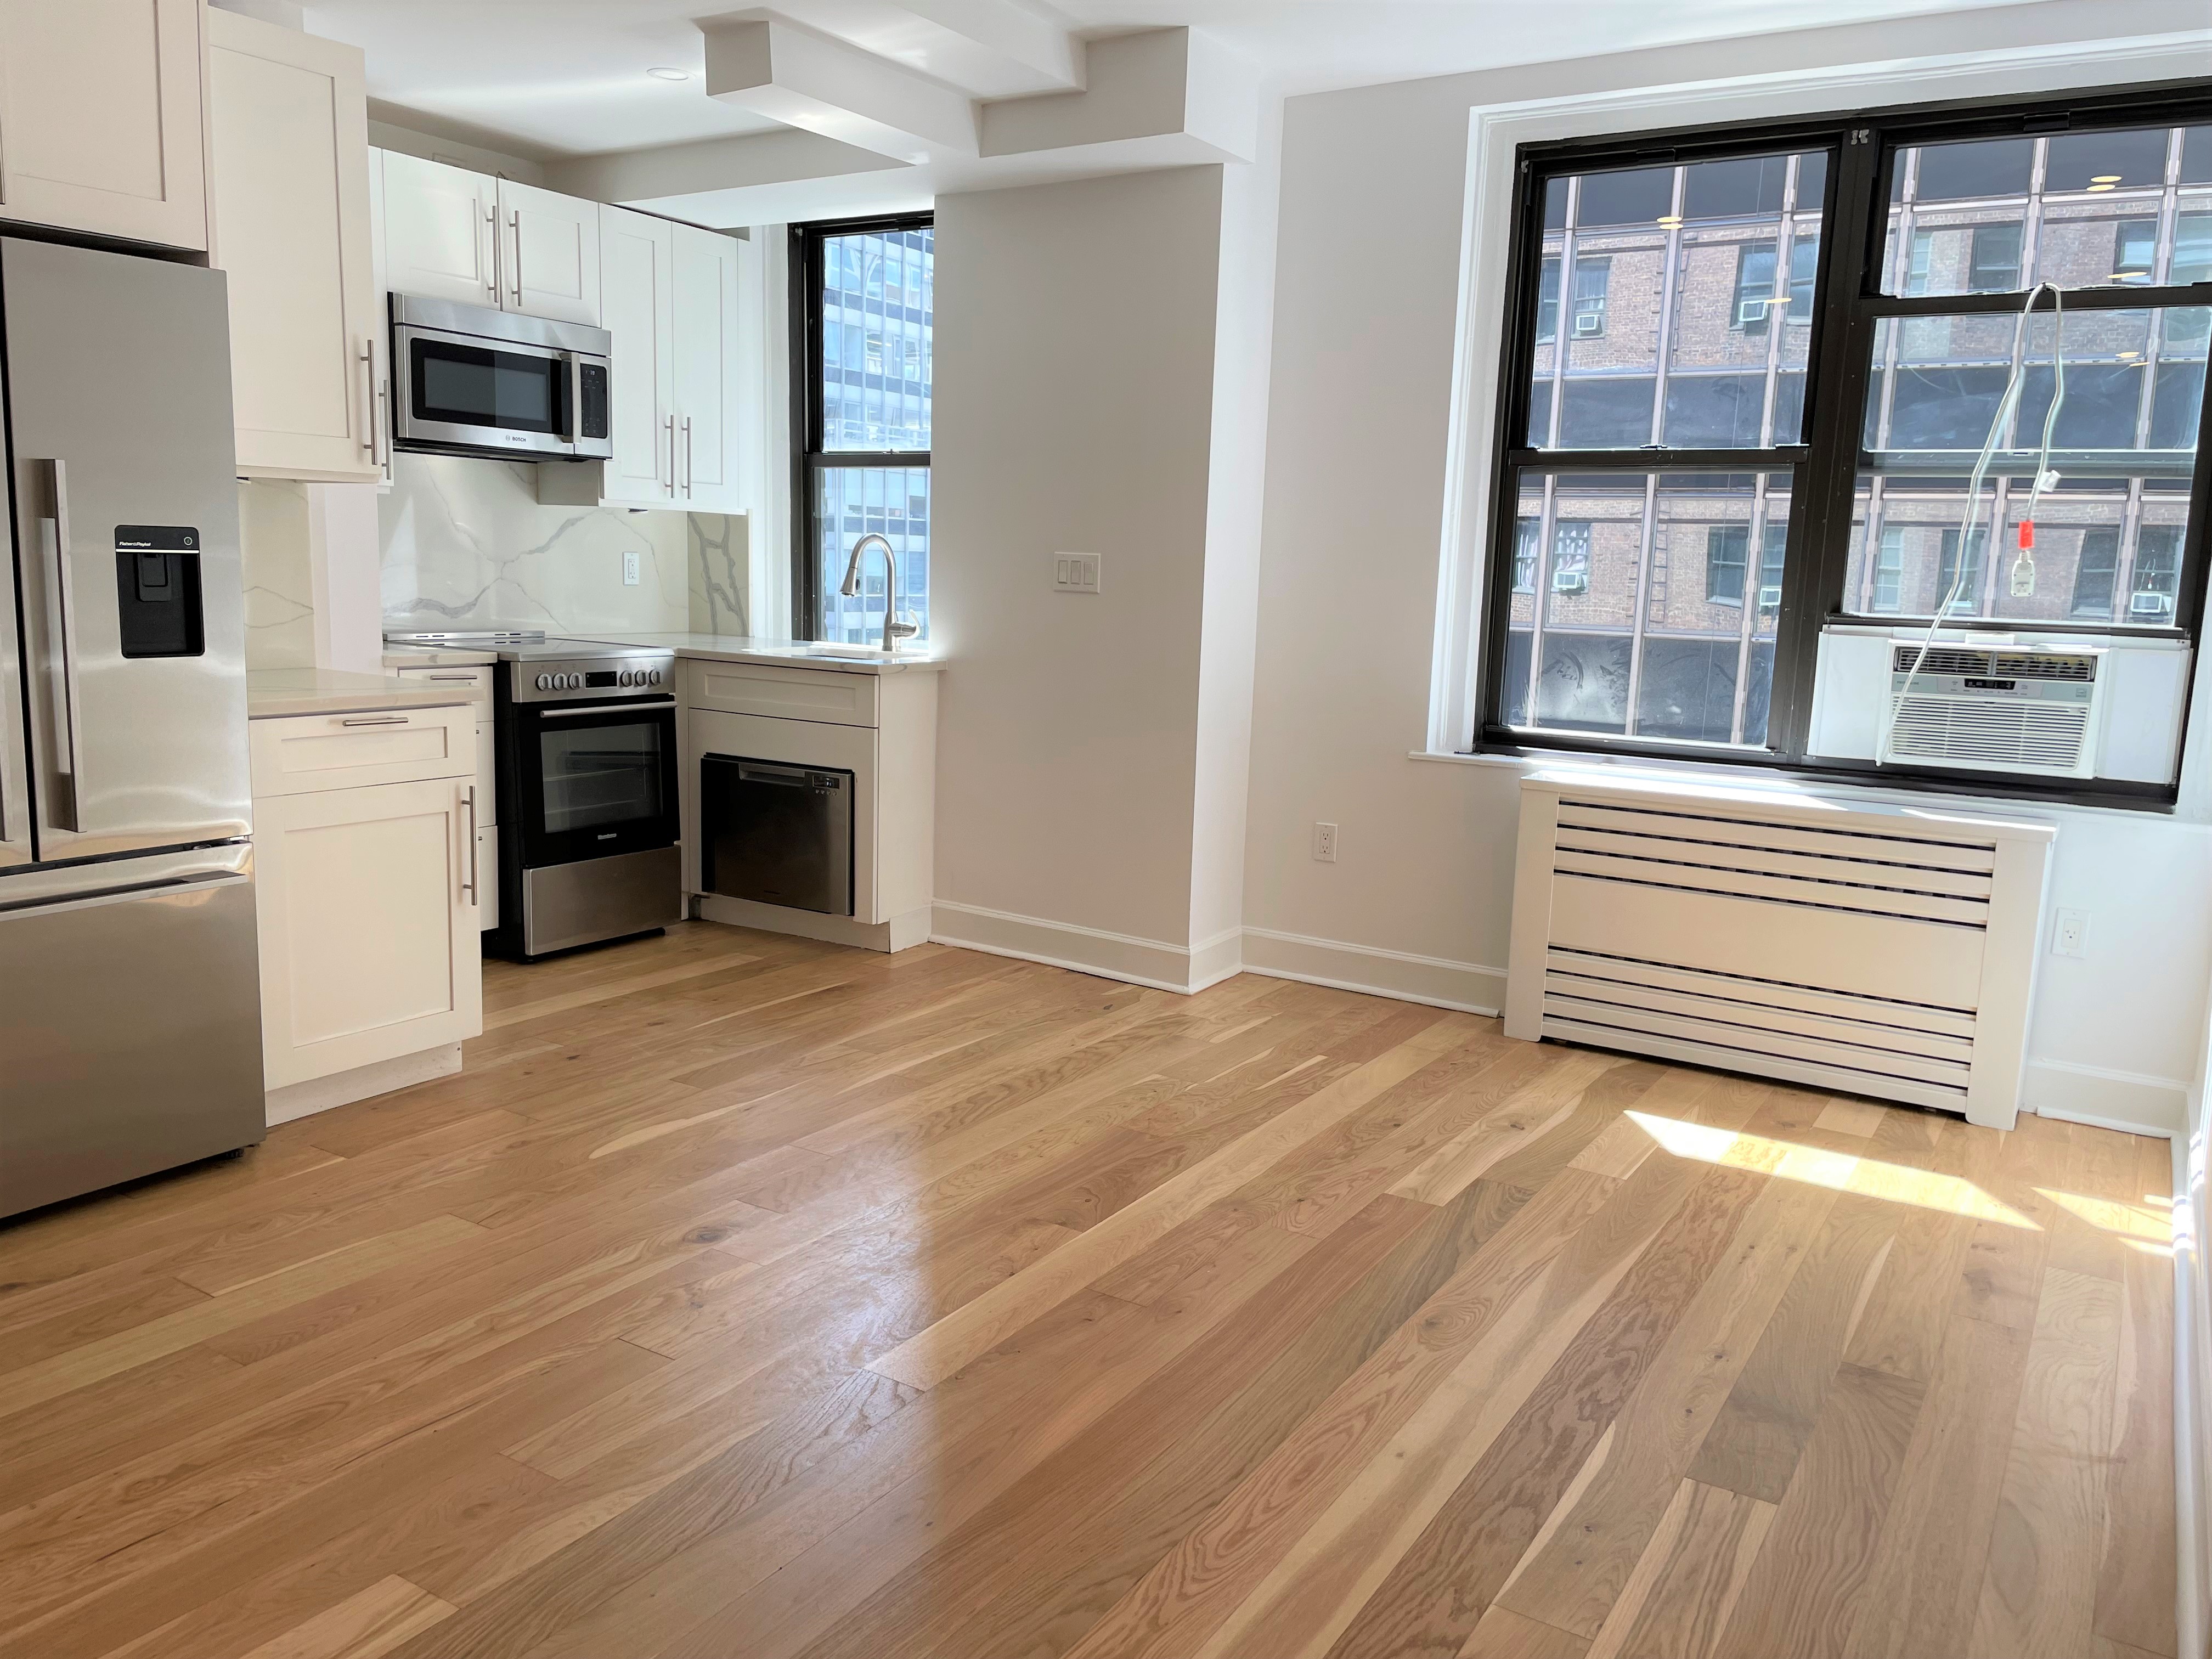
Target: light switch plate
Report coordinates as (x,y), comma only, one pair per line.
(1075,573)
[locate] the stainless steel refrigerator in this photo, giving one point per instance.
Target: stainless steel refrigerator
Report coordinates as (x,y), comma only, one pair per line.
(130,1004)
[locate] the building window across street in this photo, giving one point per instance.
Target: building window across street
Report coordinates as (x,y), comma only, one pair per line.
(1749,382)
(864,294)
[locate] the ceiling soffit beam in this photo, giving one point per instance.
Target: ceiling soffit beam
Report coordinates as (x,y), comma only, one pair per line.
(1011,31)
(1167,84)
(635,176)
(835,90)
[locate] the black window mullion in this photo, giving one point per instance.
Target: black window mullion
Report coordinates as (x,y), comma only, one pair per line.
(1813,573)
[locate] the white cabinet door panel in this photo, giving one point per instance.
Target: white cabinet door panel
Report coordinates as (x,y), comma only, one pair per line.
(369,944)
(708,421)
(637,306)
(290,126)
(439,230)
(100,118)
(549,253)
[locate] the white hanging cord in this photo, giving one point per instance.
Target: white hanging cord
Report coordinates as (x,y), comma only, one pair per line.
(2044,479)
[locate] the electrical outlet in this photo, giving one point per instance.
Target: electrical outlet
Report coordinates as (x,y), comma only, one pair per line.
(2069,934)
(1075,573)
(629,568)
(1324,845)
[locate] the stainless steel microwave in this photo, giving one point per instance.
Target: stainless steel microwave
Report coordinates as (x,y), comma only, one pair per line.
(476,381)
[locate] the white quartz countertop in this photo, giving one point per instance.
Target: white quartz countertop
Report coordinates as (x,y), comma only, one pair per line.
(791,653)
(273,691)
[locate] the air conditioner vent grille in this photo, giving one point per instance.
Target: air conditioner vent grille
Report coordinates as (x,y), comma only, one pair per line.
(2045,736)
(2080,666)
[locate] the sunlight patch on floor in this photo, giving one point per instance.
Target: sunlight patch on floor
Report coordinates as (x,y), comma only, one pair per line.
(1818,1167)
(2139,1226)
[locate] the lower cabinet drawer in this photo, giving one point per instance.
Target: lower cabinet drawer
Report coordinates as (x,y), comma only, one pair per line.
(298,754)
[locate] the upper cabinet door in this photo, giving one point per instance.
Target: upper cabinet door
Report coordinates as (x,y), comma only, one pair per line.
(100,118)
(549,253)
(290,141)
(709,454)
(637,305)
(441,230)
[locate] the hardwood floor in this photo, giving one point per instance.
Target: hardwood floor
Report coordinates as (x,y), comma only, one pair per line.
(748,1295)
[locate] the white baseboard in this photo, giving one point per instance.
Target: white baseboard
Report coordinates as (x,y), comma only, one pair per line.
(2131,1100)
(899,933)
(1154,962)
(319,1094)
(1441,983)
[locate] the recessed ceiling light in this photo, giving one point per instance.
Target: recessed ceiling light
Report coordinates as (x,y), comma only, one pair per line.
(670,74)
(2106,179)
(1670,219)
(2093,188)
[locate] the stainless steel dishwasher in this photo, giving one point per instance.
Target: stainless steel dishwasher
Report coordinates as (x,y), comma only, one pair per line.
(776,833)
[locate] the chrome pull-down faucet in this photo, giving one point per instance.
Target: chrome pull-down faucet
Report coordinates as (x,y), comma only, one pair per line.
(893,629)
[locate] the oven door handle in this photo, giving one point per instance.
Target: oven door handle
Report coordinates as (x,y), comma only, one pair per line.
(642,707)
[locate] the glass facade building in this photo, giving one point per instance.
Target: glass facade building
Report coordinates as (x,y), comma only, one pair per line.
(869,468)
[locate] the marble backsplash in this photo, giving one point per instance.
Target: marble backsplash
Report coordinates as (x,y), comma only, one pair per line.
(280,586)
(465,544)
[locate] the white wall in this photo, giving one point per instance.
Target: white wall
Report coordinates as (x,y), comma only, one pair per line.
(1075,334)
(1372,216)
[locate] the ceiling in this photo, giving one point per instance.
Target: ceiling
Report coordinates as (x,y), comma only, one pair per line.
(553,78)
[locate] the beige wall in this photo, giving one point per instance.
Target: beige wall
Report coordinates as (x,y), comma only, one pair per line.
(1075,351)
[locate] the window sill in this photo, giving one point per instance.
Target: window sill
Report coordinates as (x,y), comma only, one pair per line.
(1787,780)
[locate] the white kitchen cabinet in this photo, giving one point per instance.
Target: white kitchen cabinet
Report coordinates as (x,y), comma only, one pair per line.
(673,296)
(478,679)
(708,386)
(441,230)
(549,259)
(368,925)
(100,117)
(449,234)
(637,305)
(288,124)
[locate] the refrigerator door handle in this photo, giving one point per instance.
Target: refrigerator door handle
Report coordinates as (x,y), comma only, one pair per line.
(71,716)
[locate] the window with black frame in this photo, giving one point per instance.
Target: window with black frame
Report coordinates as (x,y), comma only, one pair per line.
(1748,386)
(862,348)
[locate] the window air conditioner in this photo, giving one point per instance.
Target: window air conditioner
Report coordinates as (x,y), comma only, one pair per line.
(1748,311)
(1589,322)
(2012,708)
(1770,598)
(1570,581)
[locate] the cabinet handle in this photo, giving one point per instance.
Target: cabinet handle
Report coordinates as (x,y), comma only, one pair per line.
(376,720)
(669,421)
(383,432)
(461,679)
(369,398)
(514,229)
(491,252)
(687,458)
(469,886)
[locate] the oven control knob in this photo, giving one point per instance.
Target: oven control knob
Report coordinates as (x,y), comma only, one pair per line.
(571,681)
(544,682)
(652,676)
(628,677)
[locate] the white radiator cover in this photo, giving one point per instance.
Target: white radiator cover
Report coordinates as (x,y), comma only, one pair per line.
(1869,949)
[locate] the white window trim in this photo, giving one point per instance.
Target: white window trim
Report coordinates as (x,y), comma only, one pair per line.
(1496,131)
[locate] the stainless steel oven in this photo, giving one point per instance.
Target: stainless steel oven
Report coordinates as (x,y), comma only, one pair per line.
(587,762)
(476,381)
